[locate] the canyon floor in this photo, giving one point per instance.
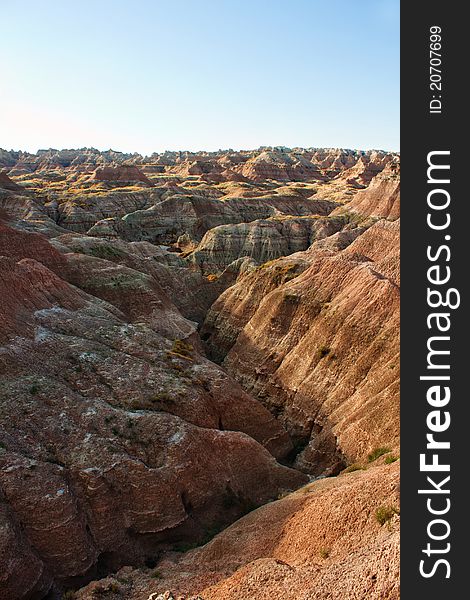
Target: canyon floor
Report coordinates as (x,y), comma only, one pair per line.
(199,360)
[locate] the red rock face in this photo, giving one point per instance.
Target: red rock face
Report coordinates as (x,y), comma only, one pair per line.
(84,457)
(26,286)
(121,174)
(123,443)
(7,184)
(18,245)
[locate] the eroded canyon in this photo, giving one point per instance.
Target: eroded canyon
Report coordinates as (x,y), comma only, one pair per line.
(199,374)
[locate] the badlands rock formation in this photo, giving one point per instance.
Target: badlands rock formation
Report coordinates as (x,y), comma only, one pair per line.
(382,198)
(328,540)
(7,184)
(186,337)
(120,174)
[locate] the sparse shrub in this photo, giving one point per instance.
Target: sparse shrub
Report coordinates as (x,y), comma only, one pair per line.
(324,553)
(352,218)
(107,252)
(267,264)
(163,397)
(110,588)
(34,389)
(51,457)
(384,513)
(352,468)
(377,453)
(285,272)
(322,351)
(390,459)
(157,574)
(182,347)
(115,431)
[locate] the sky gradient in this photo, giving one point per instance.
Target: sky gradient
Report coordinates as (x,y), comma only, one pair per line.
(153,75)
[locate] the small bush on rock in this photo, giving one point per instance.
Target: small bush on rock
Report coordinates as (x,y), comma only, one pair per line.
(377,453)
(384,513)
(322,351)
(182,348)
(352,468)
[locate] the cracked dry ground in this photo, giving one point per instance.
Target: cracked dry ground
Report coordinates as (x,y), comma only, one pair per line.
(199,375)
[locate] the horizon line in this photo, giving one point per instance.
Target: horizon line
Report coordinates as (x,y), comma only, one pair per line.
(278,147)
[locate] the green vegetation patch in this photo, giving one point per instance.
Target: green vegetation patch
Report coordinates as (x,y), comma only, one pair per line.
(385,513)
(352,468)
(377,453)
(107,252)
(323,351)
(182,349)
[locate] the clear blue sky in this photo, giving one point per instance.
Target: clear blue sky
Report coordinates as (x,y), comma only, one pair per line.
(150,75)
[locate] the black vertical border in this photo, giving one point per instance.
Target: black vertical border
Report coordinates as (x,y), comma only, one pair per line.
(422,132)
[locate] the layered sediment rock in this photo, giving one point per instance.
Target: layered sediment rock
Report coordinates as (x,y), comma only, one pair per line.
(188,289)
(381,199)
(177,215)
(261,240)
(233,309)
(109,412)
(7,184)
(280,166)
(83,211)
(121,174)
(121,443)
(321,349)
(324,541)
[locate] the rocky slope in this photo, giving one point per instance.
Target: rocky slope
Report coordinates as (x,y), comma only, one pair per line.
(261,240)
(335,538)
(104,450)
(381,198)
(125,282)
(315,338)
